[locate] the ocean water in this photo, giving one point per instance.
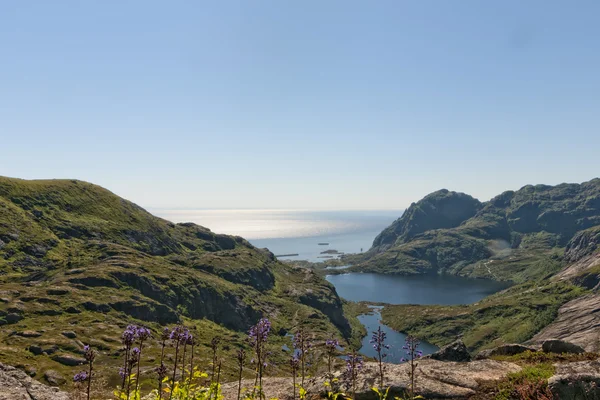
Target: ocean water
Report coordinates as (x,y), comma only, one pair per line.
(294,231)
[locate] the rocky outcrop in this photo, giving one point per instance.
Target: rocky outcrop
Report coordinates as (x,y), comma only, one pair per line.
(455,351)
(436,380)
(583,244)
(578,322)
(504,350)
(585,272)
(17,385)
(576,381)
(561,347)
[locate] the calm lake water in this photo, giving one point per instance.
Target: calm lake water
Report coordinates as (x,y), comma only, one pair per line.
(429,289)
(394,339)
(419,289)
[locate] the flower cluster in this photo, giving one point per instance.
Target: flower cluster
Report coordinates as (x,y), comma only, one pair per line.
(331,345)
(378,342)
(80,377)
(294,364)
(354,364)
(411,347)
(259,333)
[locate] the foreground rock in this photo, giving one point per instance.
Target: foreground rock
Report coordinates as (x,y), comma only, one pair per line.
(577,381)
(17,385)
(561,346)
(435,380)
(455,351)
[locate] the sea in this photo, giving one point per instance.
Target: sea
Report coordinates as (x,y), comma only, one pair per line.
(300,232)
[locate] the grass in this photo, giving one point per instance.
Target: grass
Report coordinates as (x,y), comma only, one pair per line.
(511,316)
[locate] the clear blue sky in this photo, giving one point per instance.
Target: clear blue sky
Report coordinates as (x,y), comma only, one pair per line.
(300,104)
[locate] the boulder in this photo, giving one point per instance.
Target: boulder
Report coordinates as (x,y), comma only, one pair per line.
(13,318)
(561,346)
(69,360)
(30,334)
(54,378)
(455,351)
(504,350)
(16,385)
(69,334)
(577,381)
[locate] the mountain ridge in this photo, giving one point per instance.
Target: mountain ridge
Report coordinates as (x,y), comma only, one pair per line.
(450,232)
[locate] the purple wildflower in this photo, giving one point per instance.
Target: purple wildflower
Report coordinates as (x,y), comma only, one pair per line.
(89,354)
(331,346)
(354,365)
(260,331)
(80,377)
(128,336)
(258,336)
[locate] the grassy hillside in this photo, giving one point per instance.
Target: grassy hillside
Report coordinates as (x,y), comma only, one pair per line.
(74,257)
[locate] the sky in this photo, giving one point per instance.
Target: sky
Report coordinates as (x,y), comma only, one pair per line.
(300,104)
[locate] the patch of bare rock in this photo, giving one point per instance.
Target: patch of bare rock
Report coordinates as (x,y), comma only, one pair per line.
(436,380)
(578,322)
(17,385)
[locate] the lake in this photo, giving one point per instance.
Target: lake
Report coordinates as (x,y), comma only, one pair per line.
(420,289)
(417,289)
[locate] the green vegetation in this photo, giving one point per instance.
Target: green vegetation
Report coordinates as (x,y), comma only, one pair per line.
(511,316)
(75,257)
(528,384)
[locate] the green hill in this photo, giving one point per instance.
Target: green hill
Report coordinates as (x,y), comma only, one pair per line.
(505,238)
(76,258)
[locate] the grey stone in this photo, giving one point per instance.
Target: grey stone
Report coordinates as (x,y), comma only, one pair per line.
(69,360)
(561,346)
(504,350)
(455,351)
(69,334)
(54,378)
(17,385)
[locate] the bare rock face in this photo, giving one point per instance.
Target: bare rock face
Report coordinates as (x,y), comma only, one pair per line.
(17,385)
(435,380)
(561,346)
(455,351)
(577,381)
(578,322)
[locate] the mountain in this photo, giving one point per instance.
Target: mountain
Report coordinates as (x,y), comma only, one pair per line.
(78,263)
(503,238)
(545,239)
